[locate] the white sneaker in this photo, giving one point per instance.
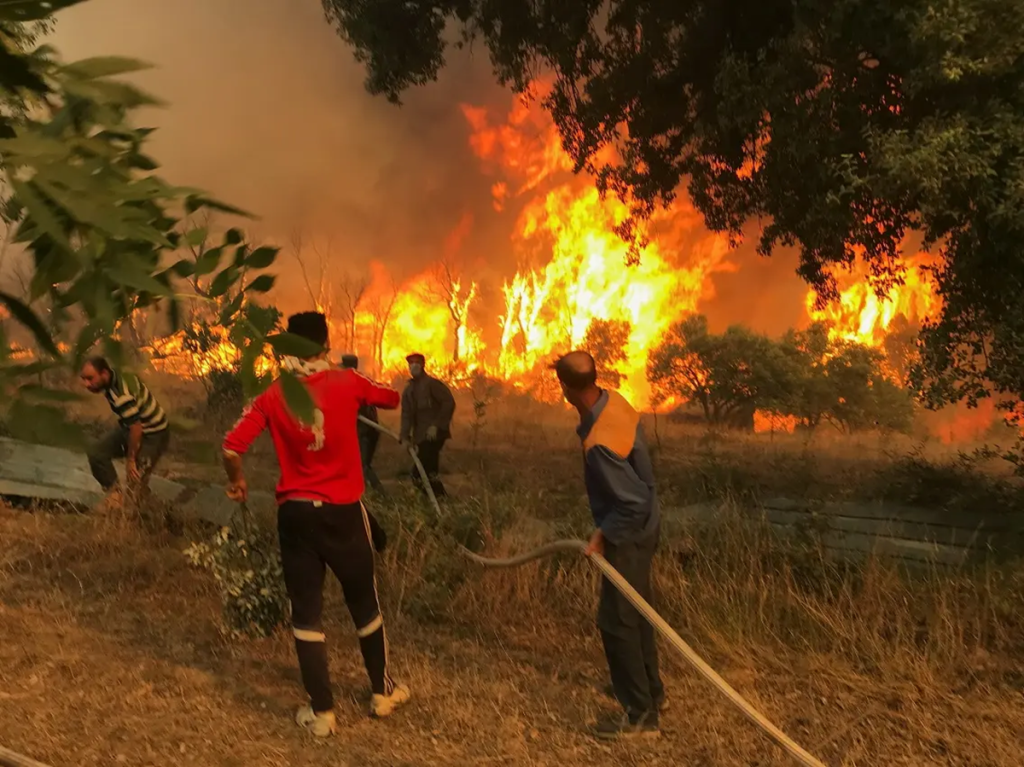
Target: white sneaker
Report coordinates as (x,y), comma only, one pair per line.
(321,725)
(385,705)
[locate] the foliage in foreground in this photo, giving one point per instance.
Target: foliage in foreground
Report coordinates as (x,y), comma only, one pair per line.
(105,232)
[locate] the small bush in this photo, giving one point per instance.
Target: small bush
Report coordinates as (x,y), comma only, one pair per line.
(249,577)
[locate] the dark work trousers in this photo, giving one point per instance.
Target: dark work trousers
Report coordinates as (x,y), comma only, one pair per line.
(429,453)
(315,536)
(367,449)
(115,445)
(629,640)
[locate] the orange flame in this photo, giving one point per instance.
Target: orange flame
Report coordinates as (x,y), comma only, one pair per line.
(861,316)
(172,355)
(565,224)
(766,421)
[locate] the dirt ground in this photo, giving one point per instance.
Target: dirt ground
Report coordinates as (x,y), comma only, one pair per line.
(110,654)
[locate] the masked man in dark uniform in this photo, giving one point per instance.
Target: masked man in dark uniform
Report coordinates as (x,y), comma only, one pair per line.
(427,410)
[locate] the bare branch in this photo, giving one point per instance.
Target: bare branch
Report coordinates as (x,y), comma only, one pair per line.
(446,284)
(380,311)
(353,289)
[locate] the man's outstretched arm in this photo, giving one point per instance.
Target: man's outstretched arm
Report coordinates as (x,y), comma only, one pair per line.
(376,394)
(237,443)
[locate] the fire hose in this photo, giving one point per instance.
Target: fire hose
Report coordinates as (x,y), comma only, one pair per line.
(760,720)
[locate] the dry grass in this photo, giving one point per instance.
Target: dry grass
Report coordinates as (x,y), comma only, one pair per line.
(110,651)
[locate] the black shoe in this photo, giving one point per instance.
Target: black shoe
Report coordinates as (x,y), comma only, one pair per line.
(660,703)
(623,726)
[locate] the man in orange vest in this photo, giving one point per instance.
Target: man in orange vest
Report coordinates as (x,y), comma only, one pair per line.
(623,500)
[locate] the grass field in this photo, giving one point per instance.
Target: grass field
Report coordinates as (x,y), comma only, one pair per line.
(111,652)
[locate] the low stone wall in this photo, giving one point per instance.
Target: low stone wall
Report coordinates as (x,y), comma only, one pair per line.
(849,529)
(855,530)
(54,474)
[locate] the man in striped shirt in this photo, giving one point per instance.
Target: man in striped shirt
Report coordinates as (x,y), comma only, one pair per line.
(142,432)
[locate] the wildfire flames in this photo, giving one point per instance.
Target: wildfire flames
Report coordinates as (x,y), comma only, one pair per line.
(173,355)
(860,315)
(572,271)
(767,422)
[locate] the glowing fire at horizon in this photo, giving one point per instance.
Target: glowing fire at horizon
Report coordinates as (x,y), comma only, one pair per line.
(572,272)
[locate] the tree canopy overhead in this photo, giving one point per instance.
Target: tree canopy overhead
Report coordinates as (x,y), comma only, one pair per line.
(842,126)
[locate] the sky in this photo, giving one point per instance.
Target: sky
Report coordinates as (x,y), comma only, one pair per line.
(267,110)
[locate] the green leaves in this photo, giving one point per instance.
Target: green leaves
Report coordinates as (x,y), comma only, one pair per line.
(224,280)
(27,317)
(208,262)
(262,284)
(196,202)
(297,397)
(41,213)
(135,276)
(104,66)
(32,10)
(261,258)
(194,238)
(101,229)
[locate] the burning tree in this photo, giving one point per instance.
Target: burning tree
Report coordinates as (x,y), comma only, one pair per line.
(338,295)
(849,128)
(806,375)
(729,375)
(352,289)
(606,340)
(379,309)
(318,284)
(447,286)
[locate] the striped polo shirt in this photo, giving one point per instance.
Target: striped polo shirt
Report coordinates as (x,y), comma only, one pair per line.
(132,403)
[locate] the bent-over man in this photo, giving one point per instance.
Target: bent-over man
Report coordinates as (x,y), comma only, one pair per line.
(427,410)
(620,487)
(320,520)
(141,436)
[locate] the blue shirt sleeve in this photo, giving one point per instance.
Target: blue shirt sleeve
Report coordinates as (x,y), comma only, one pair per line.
(627,495)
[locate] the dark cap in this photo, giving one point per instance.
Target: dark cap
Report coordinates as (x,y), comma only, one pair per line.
(310,325)
(349,361)
(415,357)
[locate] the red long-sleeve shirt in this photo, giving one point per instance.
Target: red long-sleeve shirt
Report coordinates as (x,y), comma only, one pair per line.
(319,462)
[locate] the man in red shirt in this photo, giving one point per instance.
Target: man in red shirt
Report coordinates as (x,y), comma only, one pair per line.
(321,521)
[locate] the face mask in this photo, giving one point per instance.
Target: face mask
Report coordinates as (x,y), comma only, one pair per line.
(415,369)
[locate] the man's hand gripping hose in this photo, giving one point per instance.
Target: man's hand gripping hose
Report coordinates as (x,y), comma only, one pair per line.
(609,572)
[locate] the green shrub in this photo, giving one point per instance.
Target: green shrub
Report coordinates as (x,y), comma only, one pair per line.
(248,572)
